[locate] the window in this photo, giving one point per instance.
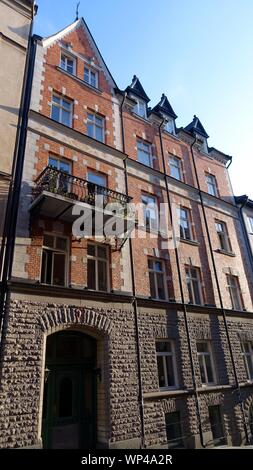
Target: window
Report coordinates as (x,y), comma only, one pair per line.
(202,144)
(144,153)
(185,223)
(95,127)
(250,220)
(173,430)
(216,423)
(157,279)
(234,291)
(91,77)
(150,211)
(247,353)
(98,267)
(61,110)
(97,178)
(176,168)
(68,64)
(166,364)
(211,185)
(140,108)
(61,180)
(205,362)
(170,126)
(54,260)
(222,233)
(193,285)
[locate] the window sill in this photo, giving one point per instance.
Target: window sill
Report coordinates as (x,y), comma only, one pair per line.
(79,80)
(141,118)
(167,392)
(189,242)
(227,253)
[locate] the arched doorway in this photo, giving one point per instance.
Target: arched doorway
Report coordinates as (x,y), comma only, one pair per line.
(69,404)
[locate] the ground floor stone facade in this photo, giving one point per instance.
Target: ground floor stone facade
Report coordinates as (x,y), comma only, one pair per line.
(31,319)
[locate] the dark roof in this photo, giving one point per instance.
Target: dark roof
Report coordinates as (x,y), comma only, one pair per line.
(244,200)
(164,107)
(195,127)
(213,149)
(137,89)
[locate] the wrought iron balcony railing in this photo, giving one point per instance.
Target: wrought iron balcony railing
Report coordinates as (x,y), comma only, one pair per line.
(77,189)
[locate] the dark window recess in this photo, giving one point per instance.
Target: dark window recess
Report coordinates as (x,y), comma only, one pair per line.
(66,398)
(174,430)
(216,425)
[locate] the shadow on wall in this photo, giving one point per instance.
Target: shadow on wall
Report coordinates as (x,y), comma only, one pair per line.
(21,31)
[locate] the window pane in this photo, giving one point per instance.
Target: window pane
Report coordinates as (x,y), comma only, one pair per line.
(55,113)
(86,75)
(161,372)
(250,365)
(196,289)
(64,166)
(65,117)
(59,269)
(99,134)
(173,427)
(209,369)
(216,422)
(102,275)
(160,286)
(91,267)
(163,346)
(93,79)
(56,99)
(61,243)
(91,250)
(152,285)
(202,369)
(202,347)
(170,371)
(53,162)
(90,129)
(102,252)
(48,241)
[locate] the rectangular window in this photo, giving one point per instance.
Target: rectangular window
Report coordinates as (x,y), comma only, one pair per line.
(250,220)
(157,279)
(68,64)
(205,362)
(54,260)
(247,352)
(234,291)
(61,110)
(216,423)
(91,77)
(97,178)
(61,180)
(176,168)
(194,285)
(185,223)
(222,233)
(144,153)
(166,364)
(150,211)
(97,267)
(95,127)
(211,185)
(140,108)
(174,430)
(170,126)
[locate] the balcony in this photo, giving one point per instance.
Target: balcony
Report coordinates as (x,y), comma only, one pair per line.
(57,192)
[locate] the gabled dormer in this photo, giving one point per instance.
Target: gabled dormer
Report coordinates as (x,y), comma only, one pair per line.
(136,92)
(197,130)
(165,110)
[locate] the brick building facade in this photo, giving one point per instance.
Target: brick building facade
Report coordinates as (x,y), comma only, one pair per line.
(133,341)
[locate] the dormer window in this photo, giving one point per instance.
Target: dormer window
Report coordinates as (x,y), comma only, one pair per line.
(91,77)
(68,64)
(169,126)
(140,108)
(202,144)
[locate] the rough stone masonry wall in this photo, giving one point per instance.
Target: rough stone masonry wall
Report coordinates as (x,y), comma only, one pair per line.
(22,364)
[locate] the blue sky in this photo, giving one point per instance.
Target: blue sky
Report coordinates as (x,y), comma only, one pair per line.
(200,53)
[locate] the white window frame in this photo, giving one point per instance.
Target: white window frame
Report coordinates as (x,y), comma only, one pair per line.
(64,58)
(169,126)
(176,163)
(140,105)
(90,72)
(164,354)
(95,125)
(61,107)
(186,219)
(146,149)
(155,272)
(250,222)
(194,278)
(57,250)
(234,289)
(223,235)
(211,182)
(96,258)
(150,207)
(209,353)
(247,355)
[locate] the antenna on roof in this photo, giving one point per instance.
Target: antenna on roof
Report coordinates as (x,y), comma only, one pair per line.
(77,11)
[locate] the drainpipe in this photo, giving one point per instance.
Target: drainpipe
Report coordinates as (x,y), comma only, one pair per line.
(245,232)
(134,299)
(17,169)
(219,293)
(182,292)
